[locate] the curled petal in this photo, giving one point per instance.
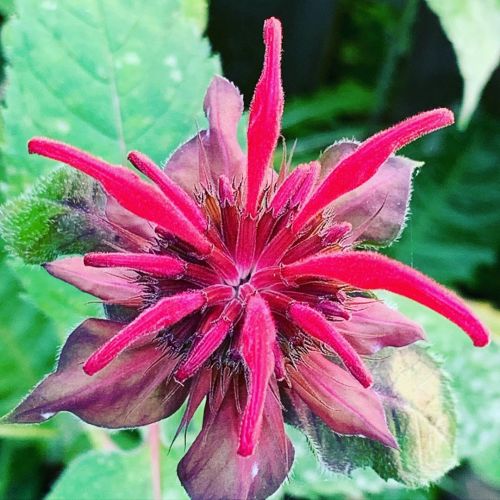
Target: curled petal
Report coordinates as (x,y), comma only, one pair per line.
(362,164)
(212,468)
(164,313)
(266,110)
(339,399)
(116,286)
(373,271)
(136,390)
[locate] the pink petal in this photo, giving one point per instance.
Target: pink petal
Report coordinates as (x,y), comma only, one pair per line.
(171,190)
(266,110)
(295,188)
(116,286)
(127,188)
(256,346)
(377,209)
(339,399)
(156,265)
(372,271)
(212,468)
(313,323)
(360,166)
(164,313)
(373,326)
(211,339)
(218,147)
(136,390)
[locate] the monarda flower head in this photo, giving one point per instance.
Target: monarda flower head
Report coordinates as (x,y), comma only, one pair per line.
(227,283)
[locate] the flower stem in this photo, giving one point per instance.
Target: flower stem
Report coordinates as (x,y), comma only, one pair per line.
(154,449)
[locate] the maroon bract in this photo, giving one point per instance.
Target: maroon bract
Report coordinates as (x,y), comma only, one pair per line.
(243,288)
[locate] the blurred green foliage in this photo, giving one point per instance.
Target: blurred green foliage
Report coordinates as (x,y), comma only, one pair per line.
(120,75)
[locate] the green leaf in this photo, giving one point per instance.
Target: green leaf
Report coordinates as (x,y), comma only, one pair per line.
(419,412)
(472,27)
(453,227)
(29,343)
(121,474)
(197,11)
(6,7)
(115,474)
(108,77)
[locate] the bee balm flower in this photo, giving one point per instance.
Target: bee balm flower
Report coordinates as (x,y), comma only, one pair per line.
(233,285)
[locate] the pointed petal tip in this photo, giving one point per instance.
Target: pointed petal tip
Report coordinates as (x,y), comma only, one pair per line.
(272,27)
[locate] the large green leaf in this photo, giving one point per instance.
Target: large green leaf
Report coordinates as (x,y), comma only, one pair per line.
(472,27)
(115,474)
(105,76)
(28,342)
(119,474)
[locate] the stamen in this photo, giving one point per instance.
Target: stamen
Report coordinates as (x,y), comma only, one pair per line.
(373,271)
(363,163)
(172,191)
(127,188)
(314,323)
(266,110)
(157,265)
(256,346)
(164,313)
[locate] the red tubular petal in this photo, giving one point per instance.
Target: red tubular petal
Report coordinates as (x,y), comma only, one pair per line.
(256,345)
(209,342)
(164,313)
(315,324)
(363,163)
(370,270)
(157,265)
(266,110)
(127,188)
(245,243)
(172,191)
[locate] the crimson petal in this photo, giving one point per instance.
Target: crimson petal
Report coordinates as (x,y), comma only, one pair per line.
(373,271)
(377,209)
(135,390)
(264,120)
(127,188)
(362,164)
